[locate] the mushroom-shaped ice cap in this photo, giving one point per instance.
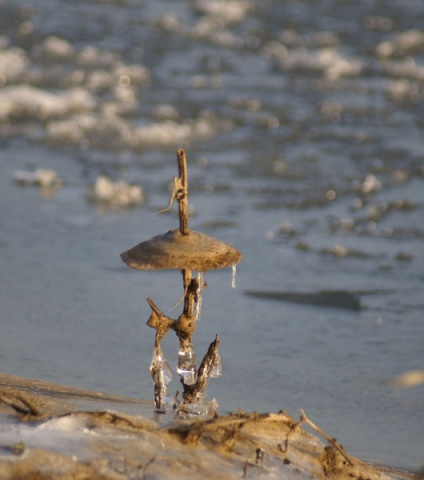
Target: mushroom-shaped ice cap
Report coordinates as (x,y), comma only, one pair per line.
(193,251)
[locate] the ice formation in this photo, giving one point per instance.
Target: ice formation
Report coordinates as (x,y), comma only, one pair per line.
(233,280)
(161,373)
(199,294)
(217,367)
(187,364)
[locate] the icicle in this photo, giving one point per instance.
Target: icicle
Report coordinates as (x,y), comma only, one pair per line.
(199,293)
(217,367)
(187,364)
(161,374)
(159,368)
(166,370)
(233,282)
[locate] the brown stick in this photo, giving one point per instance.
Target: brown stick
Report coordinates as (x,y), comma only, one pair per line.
(182,196)
(333,441)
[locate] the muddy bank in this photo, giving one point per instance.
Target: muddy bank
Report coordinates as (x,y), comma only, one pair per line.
(50,431)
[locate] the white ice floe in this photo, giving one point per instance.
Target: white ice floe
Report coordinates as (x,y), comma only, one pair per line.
(91,130)
(401,44)
(407,68)
(165,111)
(328,61)
(231,11)
(216,16)
(168,132)
(401,90)
(136,74)
(92,56)
(107,130)
(43,177)
(88,97)
(119,193)
(13,63)
(55,48)
(371,184)
(24,101)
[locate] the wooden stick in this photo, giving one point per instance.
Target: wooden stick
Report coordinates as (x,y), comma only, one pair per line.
(182,196)
(333,441)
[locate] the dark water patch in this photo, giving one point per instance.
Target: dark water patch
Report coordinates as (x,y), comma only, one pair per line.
(330,298)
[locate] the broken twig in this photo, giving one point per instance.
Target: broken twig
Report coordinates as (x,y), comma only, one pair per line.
(333,441)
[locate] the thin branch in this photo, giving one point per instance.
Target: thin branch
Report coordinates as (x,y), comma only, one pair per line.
(333,441)
(293,428)
(182,195)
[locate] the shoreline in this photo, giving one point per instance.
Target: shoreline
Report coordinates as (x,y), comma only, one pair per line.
(83,432)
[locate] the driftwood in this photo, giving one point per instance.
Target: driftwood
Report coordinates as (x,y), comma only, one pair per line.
(185,250)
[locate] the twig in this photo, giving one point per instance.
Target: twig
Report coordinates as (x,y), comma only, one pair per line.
(146,465)
(286,442)
(333,441)
(182,194)
(245,469)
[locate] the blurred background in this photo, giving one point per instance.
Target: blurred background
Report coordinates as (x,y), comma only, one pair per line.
(303,125)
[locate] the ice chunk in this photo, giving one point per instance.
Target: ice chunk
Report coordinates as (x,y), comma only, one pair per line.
(160,368)
(56,48)
(161,374)
(187,364)
(216,367)
(199,409)
(43,177)
(13,63)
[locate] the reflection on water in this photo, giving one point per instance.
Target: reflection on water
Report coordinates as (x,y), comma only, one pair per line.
(303,127)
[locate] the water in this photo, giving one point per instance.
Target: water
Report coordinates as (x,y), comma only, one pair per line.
(302,123)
